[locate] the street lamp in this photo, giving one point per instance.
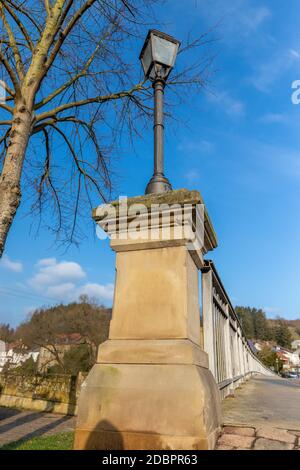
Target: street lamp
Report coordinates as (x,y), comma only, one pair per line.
(158,57)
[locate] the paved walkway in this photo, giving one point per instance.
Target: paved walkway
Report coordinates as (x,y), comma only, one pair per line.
(264,414)
(15,424)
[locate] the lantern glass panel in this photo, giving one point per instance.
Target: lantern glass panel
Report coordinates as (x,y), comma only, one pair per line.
(164,51)
(147,58)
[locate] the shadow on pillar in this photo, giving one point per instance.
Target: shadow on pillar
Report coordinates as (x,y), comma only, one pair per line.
(104,436)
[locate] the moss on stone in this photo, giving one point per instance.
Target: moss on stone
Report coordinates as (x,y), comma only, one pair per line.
(180,196)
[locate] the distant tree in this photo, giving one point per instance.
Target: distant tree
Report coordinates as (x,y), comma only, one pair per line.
(6,333)
(254,323)
(77,359)
(28,367)
(282,334)
(269,358)
(261,327)
(92,322)
(42,330)
(246,319)
(50,327)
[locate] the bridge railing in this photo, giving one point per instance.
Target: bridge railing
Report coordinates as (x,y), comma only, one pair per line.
(231,359)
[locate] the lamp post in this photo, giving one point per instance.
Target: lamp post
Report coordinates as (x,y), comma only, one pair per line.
(158,57)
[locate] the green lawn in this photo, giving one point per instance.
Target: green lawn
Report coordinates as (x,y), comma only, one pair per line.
(62,441)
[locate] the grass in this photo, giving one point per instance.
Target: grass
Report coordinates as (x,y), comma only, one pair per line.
(61,441)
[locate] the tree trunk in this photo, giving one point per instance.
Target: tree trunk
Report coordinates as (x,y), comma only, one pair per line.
(10,187)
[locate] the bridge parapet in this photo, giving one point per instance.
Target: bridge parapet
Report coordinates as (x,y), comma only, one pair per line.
(231,359)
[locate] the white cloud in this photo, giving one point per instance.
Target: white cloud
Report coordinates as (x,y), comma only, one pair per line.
(272,310)
(99,291)
(230,105)
(192,176)
(258,16)
(62,281)
(295,53)
(263,159)
(51,272)
(239,17)
(61,291)
(273,118)
(198,146)
(7,263)
(207,146)
(281,160)
(272,69)
(46,262)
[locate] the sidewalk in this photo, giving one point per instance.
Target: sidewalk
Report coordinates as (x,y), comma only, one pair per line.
(16,424)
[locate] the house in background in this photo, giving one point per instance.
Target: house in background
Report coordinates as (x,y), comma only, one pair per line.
(290,359)
(296,344)
(2,354)
(13,356)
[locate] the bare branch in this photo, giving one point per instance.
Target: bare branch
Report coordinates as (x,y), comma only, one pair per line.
(5,136)
(10,71)
(126,5)
(76,208)
(6,107)
(25,13)
(97,99)
(64,34)
(64,15)
(47,6)
(20,25)
(8,90)
(47,161)
(78,161)
(19,43)
(12,41)
(44,124)
(68,84)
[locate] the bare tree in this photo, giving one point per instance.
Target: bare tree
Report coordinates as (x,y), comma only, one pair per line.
(6,333)
(51,328)
(71,88)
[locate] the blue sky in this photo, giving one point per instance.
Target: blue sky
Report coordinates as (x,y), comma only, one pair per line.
(237,143)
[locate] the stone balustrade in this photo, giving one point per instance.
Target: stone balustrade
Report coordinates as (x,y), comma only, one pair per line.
(231,359)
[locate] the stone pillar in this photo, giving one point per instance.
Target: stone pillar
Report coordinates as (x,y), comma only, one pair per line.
(151,387)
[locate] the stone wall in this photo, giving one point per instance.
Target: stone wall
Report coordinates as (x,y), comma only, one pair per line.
(52,393)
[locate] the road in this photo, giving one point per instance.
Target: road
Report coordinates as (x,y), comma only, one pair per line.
(265,400)
(263,415)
